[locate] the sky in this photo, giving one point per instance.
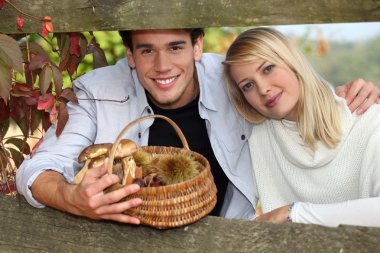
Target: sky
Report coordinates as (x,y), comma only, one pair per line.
(342,32)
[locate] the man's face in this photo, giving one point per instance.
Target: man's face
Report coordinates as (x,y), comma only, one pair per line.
(164,61)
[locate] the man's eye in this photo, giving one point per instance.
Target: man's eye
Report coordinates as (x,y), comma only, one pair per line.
(175,48)
(147,51)
(268,68)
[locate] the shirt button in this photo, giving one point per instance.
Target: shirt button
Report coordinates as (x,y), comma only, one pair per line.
(149,111)
(139,135)
(242,137)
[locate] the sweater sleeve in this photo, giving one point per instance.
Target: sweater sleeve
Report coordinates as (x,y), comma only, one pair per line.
(358,212)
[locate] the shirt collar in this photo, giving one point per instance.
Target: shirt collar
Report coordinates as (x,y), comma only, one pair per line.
(206,97)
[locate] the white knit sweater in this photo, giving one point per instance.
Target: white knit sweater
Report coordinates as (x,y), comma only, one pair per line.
(330,186)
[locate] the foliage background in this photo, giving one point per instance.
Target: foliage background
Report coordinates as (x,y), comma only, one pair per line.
(338,62)
(343,61)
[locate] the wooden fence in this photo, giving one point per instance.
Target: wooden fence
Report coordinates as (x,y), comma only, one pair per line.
(27,229)
(97,15)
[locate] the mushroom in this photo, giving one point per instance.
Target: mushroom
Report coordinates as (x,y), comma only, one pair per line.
(95,155)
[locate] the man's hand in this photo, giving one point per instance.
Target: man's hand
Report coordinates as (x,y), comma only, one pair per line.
(279,215)
(359,94)
(87,198)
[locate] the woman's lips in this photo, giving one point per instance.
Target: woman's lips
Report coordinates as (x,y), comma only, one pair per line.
(274,100)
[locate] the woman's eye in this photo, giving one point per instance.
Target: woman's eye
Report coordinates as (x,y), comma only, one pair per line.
(268,68)
(247,86)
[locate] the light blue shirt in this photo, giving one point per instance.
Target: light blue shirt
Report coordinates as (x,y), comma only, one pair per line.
(101,121)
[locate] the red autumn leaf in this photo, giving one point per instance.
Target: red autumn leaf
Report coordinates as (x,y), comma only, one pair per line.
(21,145)
(64,63)
(4,111)
(53,114)
(47,26)
(5,81)
(73,64)
(68,95)
(8,187)
(33,49)
(99,57)
(58,81)
(30,101)
(63,116)
(74,44)
(63,40)
(44,31)
(45,102)
(17,156)
(20,23)
(38,61)
(10,53)
(17,108)
(45,79)
(36,147)
(22,90)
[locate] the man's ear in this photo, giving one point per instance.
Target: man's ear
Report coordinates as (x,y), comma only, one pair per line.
(198,48)
(131,60)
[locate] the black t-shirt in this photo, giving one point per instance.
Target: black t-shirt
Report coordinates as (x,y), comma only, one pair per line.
(161,133)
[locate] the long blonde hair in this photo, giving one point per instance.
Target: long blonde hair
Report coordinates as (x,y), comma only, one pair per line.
(318,117)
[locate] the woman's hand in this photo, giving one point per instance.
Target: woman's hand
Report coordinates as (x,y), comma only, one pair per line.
(279,215)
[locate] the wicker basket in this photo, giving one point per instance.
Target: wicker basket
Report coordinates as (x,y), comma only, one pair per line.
(177,204)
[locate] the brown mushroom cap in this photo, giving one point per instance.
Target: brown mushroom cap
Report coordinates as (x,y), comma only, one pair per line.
(97,161)
(125,148)
(94,150)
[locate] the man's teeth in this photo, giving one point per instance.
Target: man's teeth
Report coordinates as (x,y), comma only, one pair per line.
(166,81)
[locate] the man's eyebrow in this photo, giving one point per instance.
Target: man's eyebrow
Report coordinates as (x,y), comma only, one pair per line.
(170,44)
(144,45)
(176,43)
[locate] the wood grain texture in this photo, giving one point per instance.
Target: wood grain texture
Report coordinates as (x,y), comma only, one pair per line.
(27,229)
(97,15)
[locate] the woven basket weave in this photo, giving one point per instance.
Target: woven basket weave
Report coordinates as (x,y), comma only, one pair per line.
(177,204)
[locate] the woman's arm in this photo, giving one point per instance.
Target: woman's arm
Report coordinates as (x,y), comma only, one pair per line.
(358,212)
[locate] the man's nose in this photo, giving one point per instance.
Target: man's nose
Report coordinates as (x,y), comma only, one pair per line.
(162,62)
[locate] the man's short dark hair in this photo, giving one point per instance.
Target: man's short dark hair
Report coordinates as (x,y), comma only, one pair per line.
(195,33)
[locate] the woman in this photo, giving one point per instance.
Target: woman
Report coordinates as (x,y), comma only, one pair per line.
(313,161)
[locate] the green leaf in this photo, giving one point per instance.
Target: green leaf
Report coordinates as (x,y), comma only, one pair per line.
(5,81)
(10,53)
(45,79)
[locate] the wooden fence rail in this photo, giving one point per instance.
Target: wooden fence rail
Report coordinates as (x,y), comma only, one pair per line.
(97,15)
(27,229)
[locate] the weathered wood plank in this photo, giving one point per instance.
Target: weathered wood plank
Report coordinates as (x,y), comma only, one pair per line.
(26,229)
(96,15)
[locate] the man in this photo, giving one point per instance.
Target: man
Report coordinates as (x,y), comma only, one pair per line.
(165,73)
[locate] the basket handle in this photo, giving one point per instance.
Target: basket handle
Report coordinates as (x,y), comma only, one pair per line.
(126,128)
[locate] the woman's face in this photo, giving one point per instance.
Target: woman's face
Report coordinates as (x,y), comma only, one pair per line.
(271,89)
